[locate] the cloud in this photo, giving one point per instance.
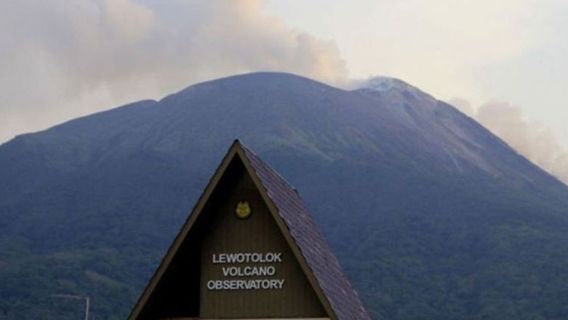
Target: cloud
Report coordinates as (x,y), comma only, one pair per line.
(62,59)
(531,139)
(441,46)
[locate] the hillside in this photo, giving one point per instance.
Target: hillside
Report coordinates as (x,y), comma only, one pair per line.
(430,214)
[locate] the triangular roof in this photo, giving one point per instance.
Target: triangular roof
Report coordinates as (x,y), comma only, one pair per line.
(319,264)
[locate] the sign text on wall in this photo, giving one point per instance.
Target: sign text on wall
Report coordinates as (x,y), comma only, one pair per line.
(247,271)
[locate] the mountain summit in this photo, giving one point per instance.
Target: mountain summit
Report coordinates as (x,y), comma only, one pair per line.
(430,214)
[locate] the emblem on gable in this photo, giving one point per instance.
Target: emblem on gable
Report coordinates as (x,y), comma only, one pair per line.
(243,210)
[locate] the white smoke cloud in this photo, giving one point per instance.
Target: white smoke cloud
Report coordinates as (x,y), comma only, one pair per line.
(533,140)
(61,59)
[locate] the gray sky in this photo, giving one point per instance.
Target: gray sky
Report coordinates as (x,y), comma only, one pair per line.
(61,59)
(479,50)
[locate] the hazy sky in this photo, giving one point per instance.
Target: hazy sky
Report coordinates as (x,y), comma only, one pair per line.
(479,50)
(61,59)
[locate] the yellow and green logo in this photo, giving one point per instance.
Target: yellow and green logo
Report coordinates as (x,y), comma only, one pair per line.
(243,210)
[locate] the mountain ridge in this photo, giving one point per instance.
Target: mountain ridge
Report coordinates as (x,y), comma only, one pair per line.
(425,208)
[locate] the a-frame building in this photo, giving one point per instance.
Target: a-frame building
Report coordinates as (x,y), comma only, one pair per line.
(249,250)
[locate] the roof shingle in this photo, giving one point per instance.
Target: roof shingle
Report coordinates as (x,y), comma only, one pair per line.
(319,257)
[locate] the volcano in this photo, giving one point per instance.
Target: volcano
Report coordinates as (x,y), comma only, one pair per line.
(430,214)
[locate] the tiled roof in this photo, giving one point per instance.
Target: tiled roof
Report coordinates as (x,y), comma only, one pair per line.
(324,265)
